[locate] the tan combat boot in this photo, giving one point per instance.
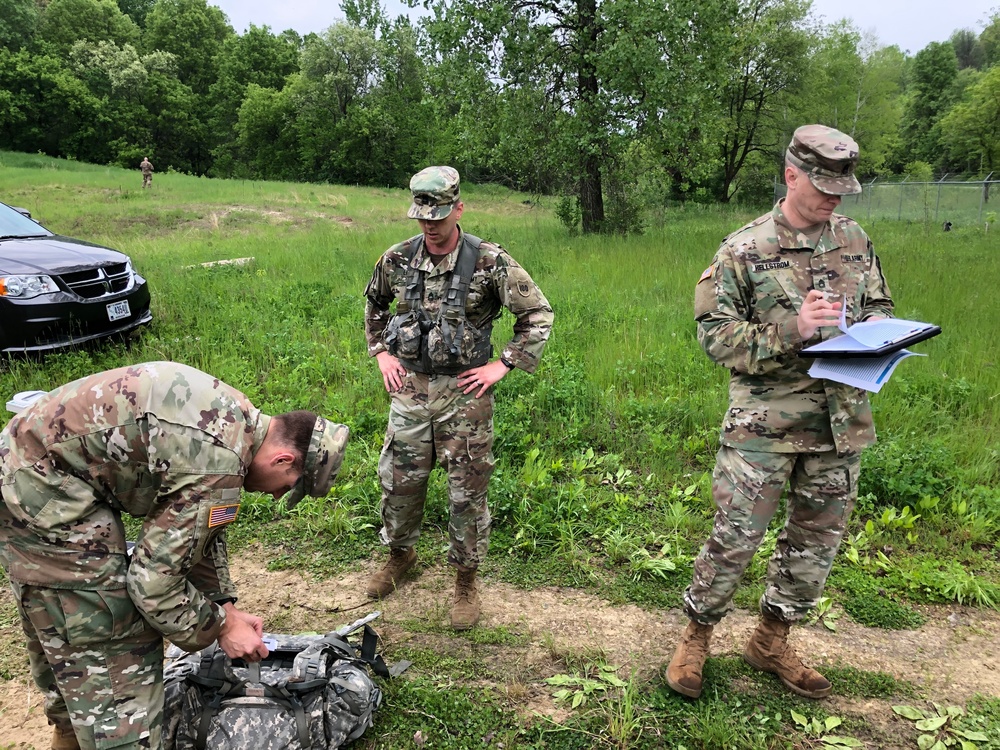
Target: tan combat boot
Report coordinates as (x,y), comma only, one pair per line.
(768,651)
(465,610)
(387,579)
(63,739)
(684,672)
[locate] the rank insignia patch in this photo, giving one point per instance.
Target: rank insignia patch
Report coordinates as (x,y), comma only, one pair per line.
(220,515)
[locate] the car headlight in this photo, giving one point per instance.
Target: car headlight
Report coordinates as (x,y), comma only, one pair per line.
(26,286)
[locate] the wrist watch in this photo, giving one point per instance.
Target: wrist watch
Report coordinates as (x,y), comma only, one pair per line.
(506,363)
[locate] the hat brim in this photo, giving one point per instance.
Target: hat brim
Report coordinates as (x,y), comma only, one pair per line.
(429,213)
(835,185)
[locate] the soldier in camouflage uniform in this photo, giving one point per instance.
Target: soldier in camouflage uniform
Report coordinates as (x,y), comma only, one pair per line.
(173,446)
(435,360)
(146,167)
(774,287)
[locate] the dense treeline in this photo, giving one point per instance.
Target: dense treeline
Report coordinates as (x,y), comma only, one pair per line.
(618,105)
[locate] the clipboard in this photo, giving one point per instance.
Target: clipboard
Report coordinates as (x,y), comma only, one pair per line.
(873,339)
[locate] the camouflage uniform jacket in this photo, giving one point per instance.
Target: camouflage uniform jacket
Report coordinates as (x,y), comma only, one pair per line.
(161,441)
(498,282)
(746,305)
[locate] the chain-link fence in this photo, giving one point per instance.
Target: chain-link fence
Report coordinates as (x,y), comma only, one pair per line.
(960,202)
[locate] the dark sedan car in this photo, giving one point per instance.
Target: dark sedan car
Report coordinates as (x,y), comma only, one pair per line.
(57,291)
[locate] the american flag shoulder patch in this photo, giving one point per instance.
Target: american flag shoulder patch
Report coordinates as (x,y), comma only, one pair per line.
(220,515)
(708,272)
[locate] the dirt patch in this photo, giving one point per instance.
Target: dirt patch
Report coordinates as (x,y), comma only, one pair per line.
(238,217)
(952,657)
(22,721)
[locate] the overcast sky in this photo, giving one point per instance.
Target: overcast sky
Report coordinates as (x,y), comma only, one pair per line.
(911,24)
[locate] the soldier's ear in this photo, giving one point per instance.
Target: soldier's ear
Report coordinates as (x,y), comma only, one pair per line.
(283,458)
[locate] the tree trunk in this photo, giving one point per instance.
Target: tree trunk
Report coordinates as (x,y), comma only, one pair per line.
(591,195)
(591,191)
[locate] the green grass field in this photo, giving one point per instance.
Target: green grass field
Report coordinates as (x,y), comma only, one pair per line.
(604,454)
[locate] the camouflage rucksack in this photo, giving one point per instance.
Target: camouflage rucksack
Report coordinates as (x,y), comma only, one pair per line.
(312,691)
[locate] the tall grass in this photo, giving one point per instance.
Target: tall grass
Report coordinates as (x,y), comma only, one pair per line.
(623,376)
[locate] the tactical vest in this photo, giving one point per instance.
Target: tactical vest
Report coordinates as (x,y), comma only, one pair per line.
(448,344)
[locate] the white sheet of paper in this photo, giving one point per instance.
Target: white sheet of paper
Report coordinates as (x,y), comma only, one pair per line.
(876,333)
(869,373)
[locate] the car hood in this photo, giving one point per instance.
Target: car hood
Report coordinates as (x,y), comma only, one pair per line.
(55,254)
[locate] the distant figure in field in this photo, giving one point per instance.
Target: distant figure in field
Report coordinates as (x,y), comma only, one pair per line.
(147,172)
(437,364)
(774,287)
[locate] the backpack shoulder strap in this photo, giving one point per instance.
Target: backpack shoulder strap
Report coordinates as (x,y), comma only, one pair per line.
(414,292)
(465,267)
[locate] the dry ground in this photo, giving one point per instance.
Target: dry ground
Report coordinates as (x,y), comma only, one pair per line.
(952,657)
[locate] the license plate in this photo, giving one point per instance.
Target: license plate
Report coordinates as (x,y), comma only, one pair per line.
(118,310)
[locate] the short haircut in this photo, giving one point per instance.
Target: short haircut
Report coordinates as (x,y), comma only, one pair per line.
(294,430)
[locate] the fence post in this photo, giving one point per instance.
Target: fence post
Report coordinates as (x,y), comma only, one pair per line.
(937,205)
(899,216)
(870,191)
(982,195)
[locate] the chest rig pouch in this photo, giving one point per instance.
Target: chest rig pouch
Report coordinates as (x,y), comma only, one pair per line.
(448,344)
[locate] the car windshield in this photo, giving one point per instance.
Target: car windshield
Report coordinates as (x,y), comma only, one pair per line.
(14,224)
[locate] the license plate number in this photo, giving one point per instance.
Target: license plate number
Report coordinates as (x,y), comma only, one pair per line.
(118,310)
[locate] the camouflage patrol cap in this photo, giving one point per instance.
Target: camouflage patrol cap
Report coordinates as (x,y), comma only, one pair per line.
(435,193)
(828,156)
(323,460)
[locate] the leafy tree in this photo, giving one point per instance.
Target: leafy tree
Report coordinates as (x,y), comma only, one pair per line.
(119,76)
(18,19)
(47,108)
(971,129)
(265,136)
(258,57)
(193,31)
(137,10)
(968,51)
(607,71)
(173,134)
(855,84)
(933,72)
(66,21)
(766,65)
(340,68)
(989,40)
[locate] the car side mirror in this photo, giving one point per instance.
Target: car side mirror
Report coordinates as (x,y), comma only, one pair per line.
(23,211)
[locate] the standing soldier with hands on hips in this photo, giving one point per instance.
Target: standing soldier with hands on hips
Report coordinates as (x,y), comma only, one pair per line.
(774,287)
(173,446)
(436,362)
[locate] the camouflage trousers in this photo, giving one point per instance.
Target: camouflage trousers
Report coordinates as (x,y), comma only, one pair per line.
(147,180)
(747,486)
(98,664)
(432,421)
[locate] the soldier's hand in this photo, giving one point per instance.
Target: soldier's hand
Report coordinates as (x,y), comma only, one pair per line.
(481,378)
(817,312)
(240,636)
(392,372)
